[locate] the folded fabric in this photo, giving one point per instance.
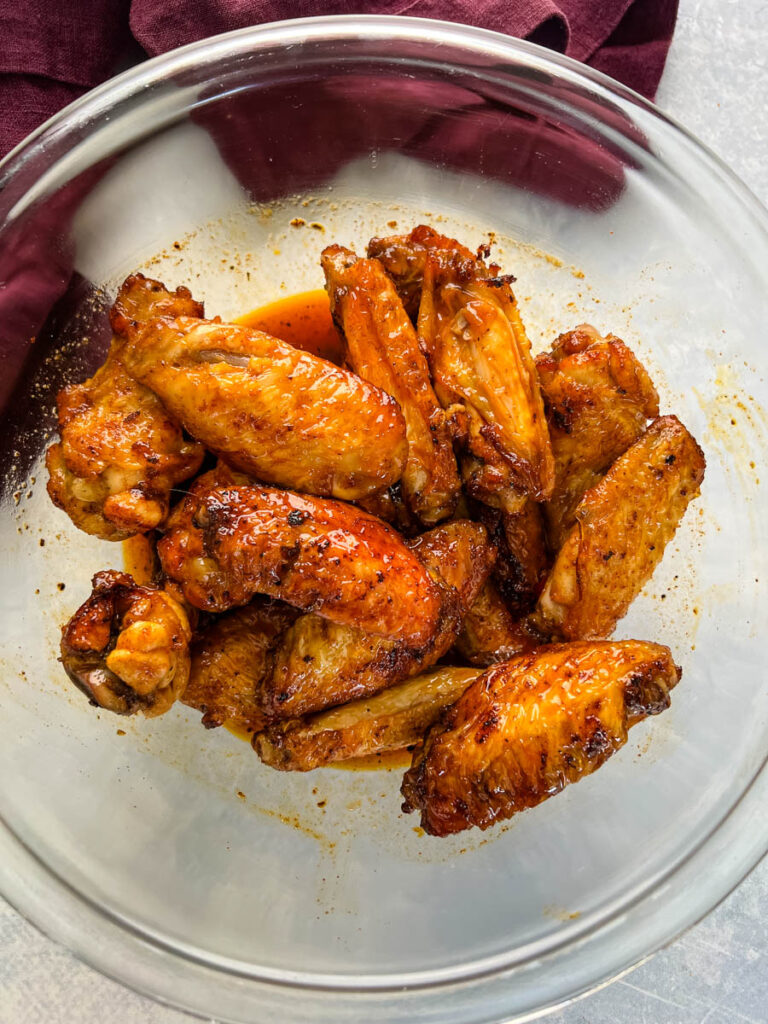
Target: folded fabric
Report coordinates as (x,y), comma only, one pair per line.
(52,53)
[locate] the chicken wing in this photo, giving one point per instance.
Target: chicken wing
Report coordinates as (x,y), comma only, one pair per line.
(522,563)
(404,259)
(484,375)
(525,729)
(490,634)
(622,526)
(598,398)
(382,348)
(230,658)
(391,720)
(120,452)
(127,647)
(271,410)
(319,663)
(231,543)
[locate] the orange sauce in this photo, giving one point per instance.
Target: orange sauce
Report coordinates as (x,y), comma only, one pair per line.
(139,559)
(238,730)
(392,759)
(303,320)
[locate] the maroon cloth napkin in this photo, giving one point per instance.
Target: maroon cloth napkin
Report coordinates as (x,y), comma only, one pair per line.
(52,51)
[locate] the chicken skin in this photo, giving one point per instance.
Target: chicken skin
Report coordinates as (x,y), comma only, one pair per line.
(622,526)
(127,647)
(484,375)
(283,415)
(523,560)
(121,453)
(231,543)
(318,663)
(391,720)
(230,658)
(382,347)
(598,398)
(490,633)
(526,728)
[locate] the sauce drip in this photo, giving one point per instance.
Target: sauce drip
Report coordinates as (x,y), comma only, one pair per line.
(303,320)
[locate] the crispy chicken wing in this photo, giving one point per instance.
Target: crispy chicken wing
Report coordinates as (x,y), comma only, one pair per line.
(391,720)
(230,658)
(382,348)
(525,729)
(522,562)
(127,647)
(284,415)
(490,634)
(598,399)
(622,526)
(120,452)
(404,259)
(231,543)
(484,374)
(319,663)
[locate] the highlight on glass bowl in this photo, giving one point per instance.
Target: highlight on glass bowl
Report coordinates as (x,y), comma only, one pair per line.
(384,439)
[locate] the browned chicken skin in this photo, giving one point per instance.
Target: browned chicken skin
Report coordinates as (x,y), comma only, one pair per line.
(481,364)
(393,719)
(231,543)
(285,416)
(121,453)
(382,347)
(318,663)
(230,658)
(525,729)
(523,560)
(490,633)
(622,526)
(598,399)
(482,367)
(127,647)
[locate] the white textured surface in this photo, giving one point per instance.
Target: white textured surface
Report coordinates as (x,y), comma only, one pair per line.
(716,84)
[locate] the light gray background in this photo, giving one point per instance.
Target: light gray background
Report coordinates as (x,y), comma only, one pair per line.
(716,84)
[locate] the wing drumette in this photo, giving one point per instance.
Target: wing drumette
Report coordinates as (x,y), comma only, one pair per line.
(127,647)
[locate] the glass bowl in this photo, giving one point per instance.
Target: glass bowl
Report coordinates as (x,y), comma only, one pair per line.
(170,858)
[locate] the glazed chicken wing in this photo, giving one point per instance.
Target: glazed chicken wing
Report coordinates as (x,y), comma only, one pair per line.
(382,347)
(523,561)
(525,729)
(230,658)
(622,526)
(391,720)
(598,399)
(484,375)
(127,647)
(121,452)
(231,543)
(271,410)
(490,633)
(318,663)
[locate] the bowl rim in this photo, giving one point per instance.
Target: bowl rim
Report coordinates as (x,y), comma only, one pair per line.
(90,108)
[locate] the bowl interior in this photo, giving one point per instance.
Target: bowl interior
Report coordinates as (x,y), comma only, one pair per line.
(229,174)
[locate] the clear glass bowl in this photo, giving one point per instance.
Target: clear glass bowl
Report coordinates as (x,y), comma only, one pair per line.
(170,858)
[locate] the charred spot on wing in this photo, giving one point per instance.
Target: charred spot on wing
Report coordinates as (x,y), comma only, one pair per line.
(297,517)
